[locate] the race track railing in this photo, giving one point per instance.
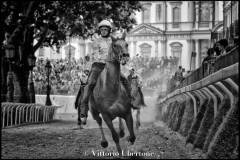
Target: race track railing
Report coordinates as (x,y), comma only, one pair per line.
(206,112)
(15,114)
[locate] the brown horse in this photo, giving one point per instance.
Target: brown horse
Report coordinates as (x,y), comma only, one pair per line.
(109,97)
(138,99)
(138,103)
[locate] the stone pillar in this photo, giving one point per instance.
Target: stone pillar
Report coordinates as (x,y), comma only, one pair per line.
(197,15)
(191,13)
(79,51)
(189,54)
(163,48)
(90,48)
(156,48)
(211,16)
(87,48)
(197,45)
(82,50)
(134,48)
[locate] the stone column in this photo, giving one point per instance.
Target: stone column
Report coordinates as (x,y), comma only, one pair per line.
(156,48)
(163,48)
(82,50)
(197,14)
(90,48)
(189,54)
(134,48)
(211,15)
(191,13)
(198,53)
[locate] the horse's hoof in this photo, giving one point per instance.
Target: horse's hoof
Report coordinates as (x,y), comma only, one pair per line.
(104,144)
(84,121)
(121,134)
(138,125)
(131,139)
(81,127)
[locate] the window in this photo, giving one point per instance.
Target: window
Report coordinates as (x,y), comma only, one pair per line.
(159,13)
(176,17)
(204,14)
(176,50)
(145,49)
(146,13)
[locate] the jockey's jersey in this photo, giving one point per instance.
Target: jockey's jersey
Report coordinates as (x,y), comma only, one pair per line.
(83,77)
(87,66)
(100,49)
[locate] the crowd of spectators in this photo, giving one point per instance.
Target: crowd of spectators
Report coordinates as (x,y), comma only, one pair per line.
(65,75)
(220,48)
(154,70)
(147,64)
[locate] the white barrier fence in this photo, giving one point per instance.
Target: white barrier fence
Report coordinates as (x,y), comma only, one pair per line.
(14,114)
(66,101)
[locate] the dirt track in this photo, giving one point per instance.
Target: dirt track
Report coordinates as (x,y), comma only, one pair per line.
(63,139)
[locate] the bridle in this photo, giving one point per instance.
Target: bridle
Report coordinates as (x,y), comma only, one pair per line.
(117,58)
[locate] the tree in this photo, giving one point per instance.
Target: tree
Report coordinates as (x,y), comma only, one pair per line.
(48,22)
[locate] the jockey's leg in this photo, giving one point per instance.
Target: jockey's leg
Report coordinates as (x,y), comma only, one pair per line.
(127,86)
(141,95)
(92,79)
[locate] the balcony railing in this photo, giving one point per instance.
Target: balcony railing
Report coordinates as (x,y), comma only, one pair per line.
(230,58)
(189,25)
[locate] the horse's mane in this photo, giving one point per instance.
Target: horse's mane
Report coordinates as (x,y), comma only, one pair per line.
(111,50)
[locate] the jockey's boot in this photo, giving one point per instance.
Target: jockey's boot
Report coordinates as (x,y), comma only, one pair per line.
(84,103)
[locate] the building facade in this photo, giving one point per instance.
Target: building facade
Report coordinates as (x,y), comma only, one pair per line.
(164,28)
(175,28)
(230,23)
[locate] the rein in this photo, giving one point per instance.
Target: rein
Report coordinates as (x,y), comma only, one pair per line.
(113,59)
(116,59)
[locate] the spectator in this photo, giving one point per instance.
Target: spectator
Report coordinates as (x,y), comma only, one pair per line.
(217,49)
(178,75)
(208,62)
(223,45)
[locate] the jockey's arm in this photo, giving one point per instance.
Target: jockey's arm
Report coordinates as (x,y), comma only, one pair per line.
(139,79)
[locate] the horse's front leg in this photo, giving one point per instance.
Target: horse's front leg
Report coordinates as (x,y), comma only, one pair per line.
(115,136)
(79,118)
(96,117)
(129,123)
(121,128)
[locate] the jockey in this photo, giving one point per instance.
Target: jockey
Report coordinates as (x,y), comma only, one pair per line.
(99,55)
(132,75)
(84,77)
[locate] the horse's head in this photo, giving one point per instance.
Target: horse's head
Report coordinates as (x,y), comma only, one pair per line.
(119,50)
